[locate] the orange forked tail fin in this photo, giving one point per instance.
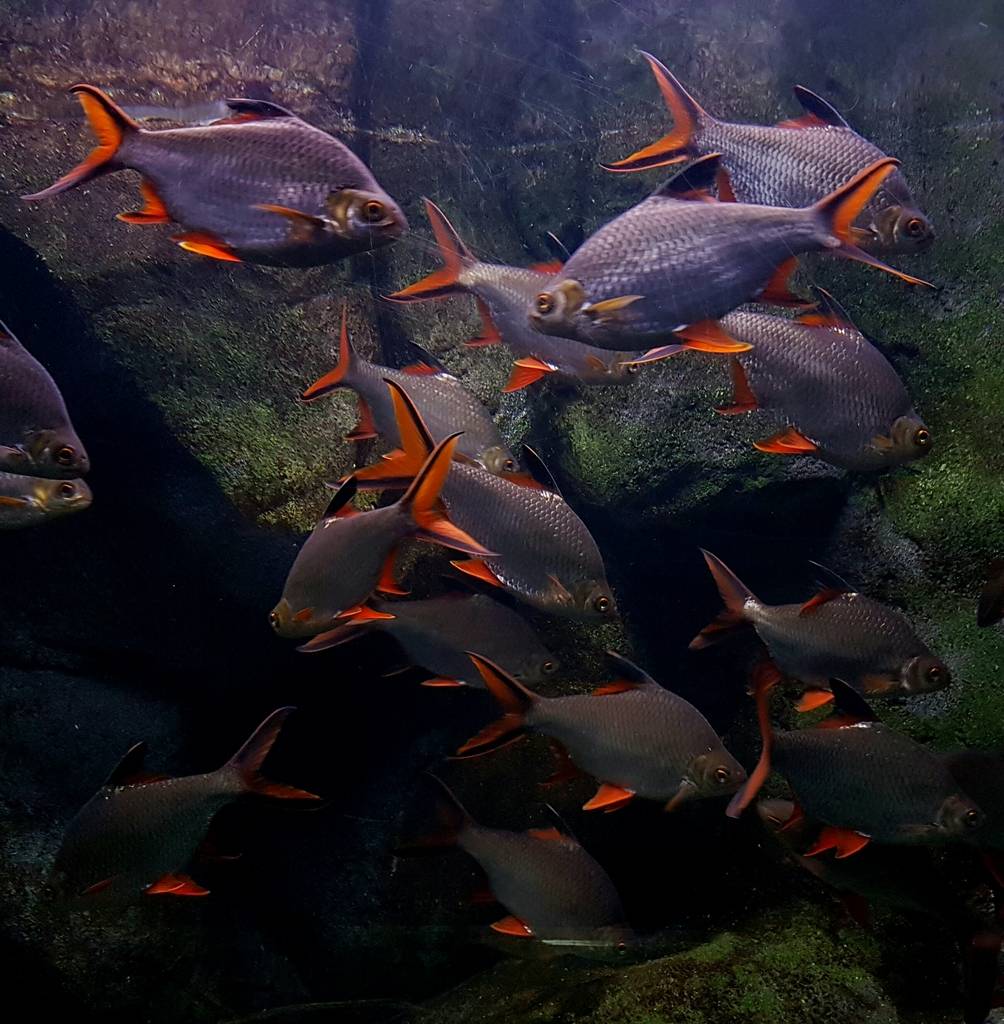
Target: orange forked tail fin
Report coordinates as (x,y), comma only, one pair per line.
(734,593)
(248,760)
(841,208)
(766,677)
(336,377)
(111,125)
(516,701)
(455,255)
(421,500)
(678,145)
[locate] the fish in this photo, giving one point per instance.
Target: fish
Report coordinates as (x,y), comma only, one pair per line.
(542,551)
(259,186)
(860,779)
(794,163)
(637,738)
(502,294)
(669,267)
(36,435)
(351,554)
(991,606)
(446,405)
(553,890)
(31,500)
(203,113)
(981,774)
(838,633)
(435,633)
(140,832)
(841,398)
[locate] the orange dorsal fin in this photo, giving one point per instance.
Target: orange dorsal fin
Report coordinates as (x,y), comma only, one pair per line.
(549,835)
(490,334)
(743,399)
(710,336)
(827,312)
(421,370)
(618,686)
(786,442)
(154,211)
(813,699)
(513,926)
(826,595)
(845,841)
(527,371)
(609,798)
(477,569)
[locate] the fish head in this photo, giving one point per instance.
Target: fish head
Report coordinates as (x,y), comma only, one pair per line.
(537,666)
(716,773)
(559,310)
(622,368)
(365,219)
(907,440)
(295,623)
(958,816)
(898,228)
(59,497)
(57,454)
(499,460)
(924,674)
(592,598)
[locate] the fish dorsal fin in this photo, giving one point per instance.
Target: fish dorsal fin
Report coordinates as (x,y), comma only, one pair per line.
(618,686)
(130,771)
(539,471)
(828,579)
(630,673)
(425,364)
(547,267)
(815,105)
(694,182)
(850,708)
(338,506)
(550,834)
(7,338)
(824,596)
(827,312)
(257,110)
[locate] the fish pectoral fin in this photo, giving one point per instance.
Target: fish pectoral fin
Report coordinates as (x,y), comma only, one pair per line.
(608,309)
(710,336)
(365,427)
(743,399)
(654,355)
(303,227)
(687,791)
(303,615)
(388,584)
(857,909)
(14,502)
(549,835)
(786,442)
(206,245)
(362,613)
(443,681)
(564,768)
(609,798)
(477,569)
(176,885)
(813,699)
(595,363)
(824,596)
(482,895)
(845,841)
(526,372)
(882,443)
(154,211)
(513,926)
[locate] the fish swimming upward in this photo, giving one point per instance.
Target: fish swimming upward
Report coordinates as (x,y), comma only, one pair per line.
(542,551)
(860,779)
(261,185)
(446,405)
(351,554)
(36,436)
(669,267)
(842,399)
(836,634)
(635,737)
(31,500)
(140,832)
(503,294)
(435,634)
(554,891)
(794,163)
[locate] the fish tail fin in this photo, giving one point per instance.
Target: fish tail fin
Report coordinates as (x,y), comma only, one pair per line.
(338,377)
(248,760)
(678,145)
(516,701)
(421,501)
(455,256)
(837,212)
(765,678)
(736,596)
(112,126)
(453,819)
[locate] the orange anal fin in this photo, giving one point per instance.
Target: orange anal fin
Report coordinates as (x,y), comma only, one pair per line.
(777,290)
(388,584)
(845,841)
(787,442)
(93,890)
(710,336)
(743,399)
(826,595)
(609,798)
(490,334)
(176,885)
(482,895)
(513,926)
(724,185)
(813,699)
(443,681)
(365,427)
(526,372)
(206,245)
(477,569)
(795,819)
(154,211)
(564,768)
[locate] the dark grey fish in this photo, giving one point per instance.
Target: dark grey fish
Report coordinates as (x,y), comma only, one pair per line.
(31,500)
(260,185)
(36,435)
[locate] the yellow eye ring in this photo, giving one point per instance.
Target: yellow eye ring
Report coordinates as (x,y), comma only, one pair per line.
(373,211)
(545,303)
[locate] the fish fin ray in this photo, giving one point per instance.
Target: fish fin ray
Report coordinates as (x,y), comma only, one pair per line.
(154,211)
(609,798)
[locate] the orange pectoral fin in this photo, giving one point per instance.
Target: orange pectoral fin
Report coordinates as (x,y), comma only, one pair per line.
(844,840)
(609,798)
(13,502)
(526,372)
(206,245)
(176,885)
(442,682)
(710,336)
(813,699)
(786,442)
(513,926)
(154,211)
(743,399)
(549,835)
(477,569)
(303,615)
(361,613)
(564,768)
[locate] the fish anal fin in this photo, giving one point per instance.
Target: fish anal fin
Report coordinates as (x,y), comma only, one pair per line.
(490,334)
(527,371)
(477,569)
(846,842)
(206,245)
(743,399)
(93,890)
(786,442)
(724,185)
(824,596)
(777,291)
(564,768)
(154,211)
(365,427)
(609,798)
(795,819)
(388,584)
(176,885)
(513,926)
(811,700)
(857,909)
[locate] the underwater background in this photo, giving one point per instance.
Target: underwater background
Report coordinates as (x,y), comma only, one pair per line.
(146,617)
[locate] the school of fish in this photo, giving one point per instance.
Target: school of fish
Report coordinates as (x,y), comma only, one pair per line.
(694,266)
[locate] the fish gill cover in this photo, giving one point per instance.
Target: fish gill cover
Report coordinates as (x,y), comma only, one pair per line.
(162,473)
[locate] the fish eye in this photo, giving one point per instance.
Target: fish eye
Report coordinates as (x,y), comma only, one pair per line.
(722,775)
(934,673)
(922,438)
(972,818)
(633,368)
(373,211)
(509,465)
(67,490)
(65,455)
(545,303)
(914,227)
(602,604)
(548,666)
